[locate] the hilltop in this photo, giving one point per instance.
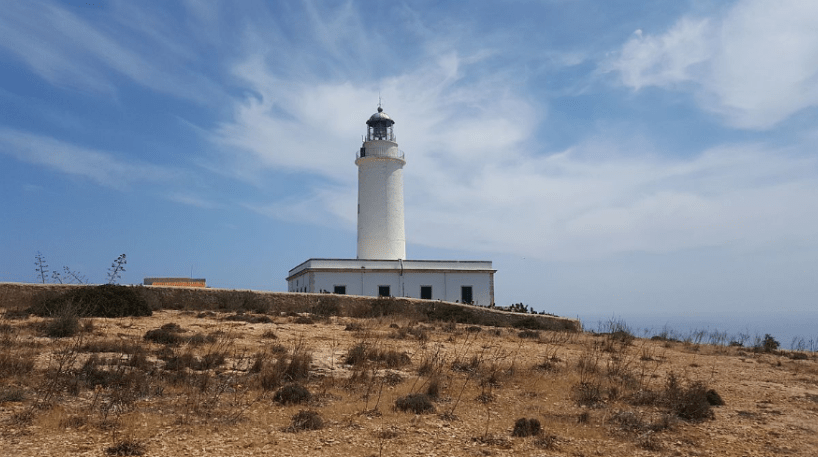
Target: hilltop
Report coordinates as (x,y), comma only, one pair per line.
(240,373)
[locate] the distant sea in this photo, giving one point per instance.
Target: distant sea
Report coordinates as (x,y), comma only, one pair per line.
(786,329)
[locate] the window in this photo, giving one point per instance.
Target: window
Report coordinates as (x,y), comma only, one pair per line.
(465,294)
(426,292)
(383,291)
(341,290)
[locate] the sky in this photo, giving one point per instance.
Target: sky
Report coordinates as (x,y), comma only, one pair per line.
(609,156)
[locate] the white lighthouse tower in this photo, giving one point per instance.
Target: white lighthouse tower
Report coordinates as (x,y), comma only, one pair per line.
(381,234)
(381,268)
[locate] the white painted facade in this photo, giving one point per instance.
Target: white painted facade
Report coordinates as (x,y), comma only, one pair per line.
(380,201)
(381,268)
(442,279)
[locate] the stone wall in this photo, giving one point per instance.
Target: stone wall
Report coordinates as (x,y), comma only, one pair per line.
(21,296)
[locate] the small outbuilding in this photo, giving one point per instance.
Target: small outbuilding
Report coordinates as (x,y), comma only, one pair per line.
(175,282)
(464,281)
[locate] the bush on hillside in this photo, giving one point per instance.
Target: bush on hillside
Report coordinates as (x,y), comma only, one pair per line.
(108,300)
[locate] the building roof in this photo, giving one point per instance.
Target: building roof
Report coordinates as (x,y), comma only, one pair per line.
(380,265)
(380,117)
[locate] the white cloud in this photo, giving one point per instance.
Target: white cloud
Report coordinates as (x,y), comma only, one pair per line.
(101,167)
(565,207)
(755,66)
(474,179)
(66,49)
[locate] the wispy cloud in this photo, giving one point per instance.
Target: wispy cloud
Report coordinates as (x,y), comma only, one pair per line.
(67,49)
(102,167)
(191,200)
(471,152)
(755,66)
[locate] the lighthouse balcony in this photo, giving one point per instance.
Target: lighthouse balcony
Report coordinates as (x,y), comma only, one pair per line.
(387,152)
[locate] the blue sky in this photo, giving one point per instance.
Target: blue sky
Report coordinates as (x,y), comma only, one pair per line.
(608,156)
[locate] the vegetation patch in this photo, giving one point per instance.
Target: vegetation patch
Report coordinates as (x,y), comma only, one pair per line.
(415,403)
(292,394)
(361,353)
(305,420)
(128,446)
(526,427)
(108,300)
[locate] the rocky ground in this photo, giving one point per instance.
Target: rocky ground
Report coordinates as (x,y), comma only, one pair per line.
(206,383)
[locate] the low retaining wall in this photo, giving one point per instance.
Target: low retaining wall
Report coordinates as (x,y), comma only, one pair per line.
(22,296)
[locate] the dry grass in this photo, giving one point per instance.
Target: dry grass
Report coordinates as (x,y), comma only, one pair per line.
(242,384)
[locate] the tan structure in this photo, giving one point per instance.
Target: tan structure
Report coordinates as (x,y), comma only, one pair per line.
(175,282)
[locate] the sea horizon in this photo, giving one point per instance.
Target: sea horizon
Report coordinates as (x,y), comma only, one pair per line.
(787,329)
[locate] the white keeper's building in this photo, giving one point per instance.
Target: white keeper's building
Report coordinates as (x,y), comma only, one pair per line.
(381,267)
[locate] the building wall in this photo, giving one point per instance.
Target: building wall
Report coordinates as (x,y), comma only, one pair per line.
(175,282)
(446,285)
(380,202)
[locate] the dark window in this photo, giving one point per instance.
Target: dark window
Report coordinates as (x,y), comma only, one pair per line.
(383,291)
(426,292)
(342,290)
(465,294)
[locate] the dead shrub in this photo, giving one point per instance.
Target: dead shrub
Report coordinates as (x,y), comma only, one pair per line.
(393,379)
(649,442)
(416,403)
(292,394)
(713,398)
(689,403)
(269,335)
(117,346)
(305,420)
(361,353)
(74,421)
(486,397)
(249,318)
(303,320)
(128,446)
(357,355)
(467,366)
(546,442)
(15,364)
(399,333)
(549,364)
(198,339)
(354,327)
(529,334)
(583,417)
(64,324)
(526,427)
(167,334)
(420,332)
(587,393)
(24,417)
(298,366)
(12,394)
(433,388)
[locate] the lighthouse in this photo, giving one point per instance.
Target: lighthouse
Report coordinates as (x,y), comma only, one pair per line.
(381,268)
(381,234)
